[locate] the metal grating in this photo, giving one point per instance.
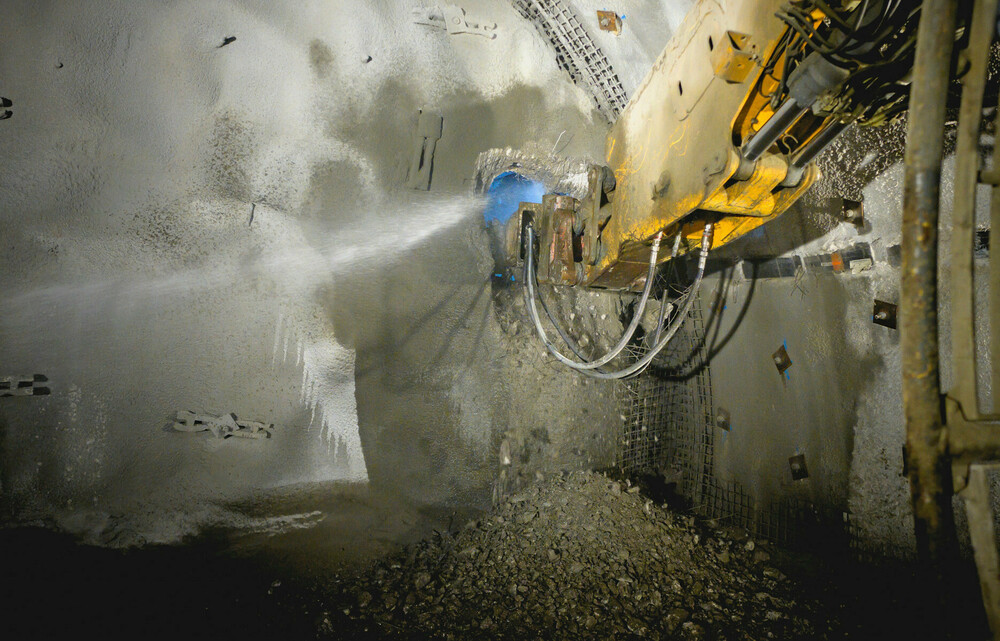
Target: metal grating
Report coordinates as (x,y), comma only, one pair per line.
(865,548)
(789,521)
(576,52)
(645,406)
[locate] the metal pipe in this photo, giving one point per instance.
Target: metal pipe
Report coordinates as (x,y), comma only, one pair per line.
(926,440)
(819,142)
(963,302)
(777,124)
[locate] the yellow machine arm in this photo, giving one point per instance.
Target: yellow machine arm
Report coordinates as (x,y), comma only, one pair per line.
(724,129)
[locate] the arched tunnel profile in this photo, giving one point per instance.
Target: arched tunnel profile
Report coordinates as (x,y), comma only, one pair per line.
(506,192)
(534,319)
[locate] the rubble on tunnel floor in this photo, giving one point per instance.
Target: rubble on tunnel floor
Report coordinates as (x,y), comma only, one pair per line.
(579,556)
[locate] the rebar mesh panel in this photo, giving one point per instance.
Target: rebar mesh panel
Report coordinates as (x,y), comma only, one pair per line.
(576,52)
(665,418)
(669,429)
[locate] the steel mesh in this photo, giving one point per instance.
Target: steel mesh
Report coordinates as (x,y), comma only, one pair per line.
(669,429)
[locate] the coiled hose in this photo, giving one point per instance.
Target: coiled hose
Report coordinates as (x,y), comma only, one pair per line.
(629,332)
(590,368)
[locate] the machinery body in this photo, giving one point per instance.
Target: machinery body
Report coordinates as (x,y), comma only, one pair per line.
(719,139)
(672,152)
(701,140)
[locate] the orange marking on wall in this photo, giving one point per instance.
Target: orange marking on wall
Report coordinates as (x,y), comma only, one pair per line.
(837,262)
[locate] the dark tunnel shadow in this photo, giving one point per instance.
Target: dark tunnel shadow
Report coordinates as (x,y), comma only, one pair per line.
(709,344)
(481,329)
(380,355)
(457,327)
(412,330)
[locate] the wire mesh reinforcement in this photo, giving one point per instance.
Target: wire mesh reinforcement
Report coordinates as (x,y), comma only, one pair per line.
(669,430)
(576,52)
(666,419)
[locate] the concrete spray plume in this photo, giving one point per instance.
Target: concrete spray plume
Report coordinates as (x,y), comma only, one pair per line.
(294,265)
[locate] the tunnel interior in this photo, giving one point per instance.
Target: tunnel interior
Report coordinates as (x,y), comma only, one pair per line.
(507,192)
(261,373)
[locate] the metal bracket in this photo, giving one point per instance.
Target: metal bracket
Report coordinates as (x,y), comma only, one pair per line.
(971,439)
(781,359)
(452,18)
(609,21)
(884,314)
(733,58)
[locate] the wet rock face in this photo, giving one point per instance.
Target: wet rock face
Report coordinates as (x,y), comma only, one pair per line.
(556,419)
(580,556)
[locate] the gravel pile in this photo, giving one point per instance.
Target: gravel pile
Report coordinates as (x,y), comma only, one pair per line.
(580,556)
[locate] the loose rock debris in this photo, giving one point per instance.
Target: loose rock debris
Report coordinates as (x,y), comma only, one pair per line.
(579,556)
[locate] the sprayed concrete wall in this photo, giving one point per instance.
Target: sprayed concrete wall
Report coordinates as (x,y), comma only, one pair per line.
(224,229)
(840,403)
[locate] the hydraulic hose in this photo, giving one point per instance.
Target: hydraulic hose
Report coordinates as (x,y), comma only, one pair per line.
(562,334)
(570,343)
(706,242)
(663,299)
(629,332)
(662,316)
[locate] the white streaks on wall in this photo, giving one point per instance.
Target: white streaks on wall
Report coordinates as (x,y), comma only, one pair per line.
(327,390)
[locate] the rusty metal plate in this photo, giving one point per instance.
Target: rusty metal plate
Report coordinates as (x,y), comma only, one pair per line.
(884,314)
(781,359)
(609,21)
